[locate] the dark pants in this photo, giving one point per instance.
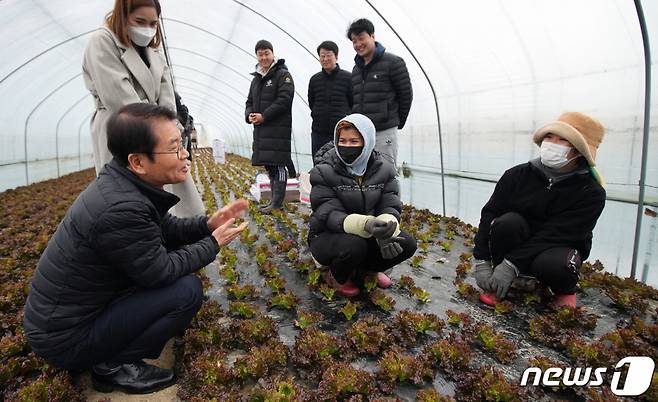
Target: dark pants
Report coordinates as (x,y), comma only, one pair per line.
(348,255)
(137,326)
(317,141)
(557,268)
(277,173)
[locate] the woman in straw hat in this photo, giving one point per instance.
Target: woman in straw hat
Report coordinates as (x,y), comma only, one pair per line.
(539,219)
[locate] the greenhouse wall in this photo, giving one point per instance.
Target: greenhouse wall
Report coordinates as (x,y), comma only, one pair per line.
(499,71)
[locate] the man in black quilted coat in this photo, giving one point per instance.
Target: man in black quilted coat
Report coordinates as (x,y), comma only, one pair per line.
(269,109)
(380,85)
(329,96)
(115,282)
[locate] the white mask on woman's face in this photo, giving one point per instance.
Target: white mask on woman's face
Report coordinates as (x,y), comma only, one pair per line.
(554,155)
(142,36)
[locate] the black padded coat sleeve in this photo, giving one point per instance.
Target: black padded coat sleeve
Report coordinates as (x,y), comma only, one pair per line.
(181,231)
(311,93)
(496,206)
(569,227)
(326,206)
(403,90)
(350,94)
(249,104)
(129,239)
(390,202)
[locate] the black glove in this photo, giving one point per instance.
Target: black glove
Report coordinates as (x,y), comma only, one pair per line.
(379,228)
(390,248)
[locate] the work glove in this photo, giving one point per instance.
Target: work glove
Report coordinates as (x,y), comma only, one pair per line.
(390,248)
(502,278)
(380,229)
(482,274)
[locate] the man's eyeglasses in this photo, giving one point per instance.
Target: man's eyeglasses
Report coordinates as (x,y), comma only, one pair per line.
(182,146)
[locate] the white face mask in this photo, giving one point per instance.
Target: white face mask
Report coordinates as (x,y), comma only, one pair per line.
(554,155)
(142,36)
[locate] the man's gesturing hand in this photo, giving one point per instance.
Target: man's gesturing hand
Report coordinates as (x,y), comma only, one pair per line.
(233,210)
(227,232)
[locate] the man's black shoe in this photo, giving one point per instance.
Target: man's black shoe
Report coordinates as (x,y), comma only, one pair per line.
(133,378)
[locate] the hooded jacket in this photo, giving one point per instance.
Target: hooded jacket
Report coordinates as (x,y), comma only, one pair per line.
(117,236)
(561,210)
(336,192)
(330,99)
(382,89)
(271,95)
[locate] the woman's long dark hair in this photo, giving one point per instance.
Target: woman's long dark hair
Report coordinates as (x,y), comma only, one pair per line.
(117,19)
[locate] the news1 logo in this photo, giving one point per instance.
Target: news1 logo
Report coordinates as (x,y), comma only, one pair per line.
(638,378)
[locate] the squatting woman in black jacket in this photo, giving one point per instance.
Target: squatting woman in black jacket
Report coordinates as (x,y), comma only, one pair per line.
(354,227)
(539,220)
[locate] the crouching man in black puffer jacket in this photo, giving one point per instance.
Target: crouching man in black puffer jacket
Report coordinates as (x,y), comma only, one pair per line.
(114,283)
(354,227)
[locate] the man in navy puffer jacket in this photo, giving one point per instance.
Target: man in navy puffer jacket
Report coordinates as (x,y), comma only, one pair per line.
(114,283)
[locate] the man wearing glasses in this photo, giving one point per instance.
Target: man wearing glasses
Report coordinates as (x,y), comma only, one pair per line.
(115,282)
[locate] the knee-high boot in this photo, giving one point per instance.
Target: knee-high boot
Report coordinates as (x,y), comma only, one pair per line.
(278,194)
(263,206)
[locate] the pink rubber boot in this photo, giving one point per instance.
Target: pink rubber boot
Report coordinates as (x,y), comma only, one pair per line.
(565,300)
(347,289)
(488,299)
(383,281)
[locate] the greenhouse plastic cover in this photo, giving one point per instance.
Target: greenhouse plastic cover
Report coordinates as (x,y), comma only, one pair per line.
(499,69)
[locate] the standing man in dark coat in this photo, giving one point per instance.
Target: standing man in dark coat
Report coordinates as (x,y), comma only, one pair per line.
(269,109)
(114,283)
(329,96)
(381,86)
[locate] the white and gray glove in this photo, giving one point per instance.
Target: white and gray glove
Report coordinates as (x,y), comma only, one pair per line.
(390,248)
(482,273)
(502,278)
(380,229)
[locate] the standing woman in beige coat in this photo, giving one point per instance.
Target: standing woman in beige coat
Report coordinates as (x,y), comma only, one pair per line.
(123,64)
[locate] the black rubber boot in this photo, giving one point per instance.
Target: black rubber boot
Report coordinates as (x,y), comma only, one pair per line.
(278,194)
(133,378)
(264,206)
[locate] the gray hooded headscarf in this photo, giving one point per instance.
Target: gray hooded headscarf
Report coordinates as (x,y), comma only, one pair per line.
(367,130)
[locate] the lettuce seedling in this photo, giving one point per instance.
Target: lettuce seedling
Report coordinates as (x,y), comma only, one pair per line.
(276,284)
(261,361)
(348,310)
(382,300)
(452,354)
(230,274)
(313,346)
(369,336)
(283,300)
(237,292)
(307,318)
(242,309)
(327,291)
(503,349)
(341,381)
